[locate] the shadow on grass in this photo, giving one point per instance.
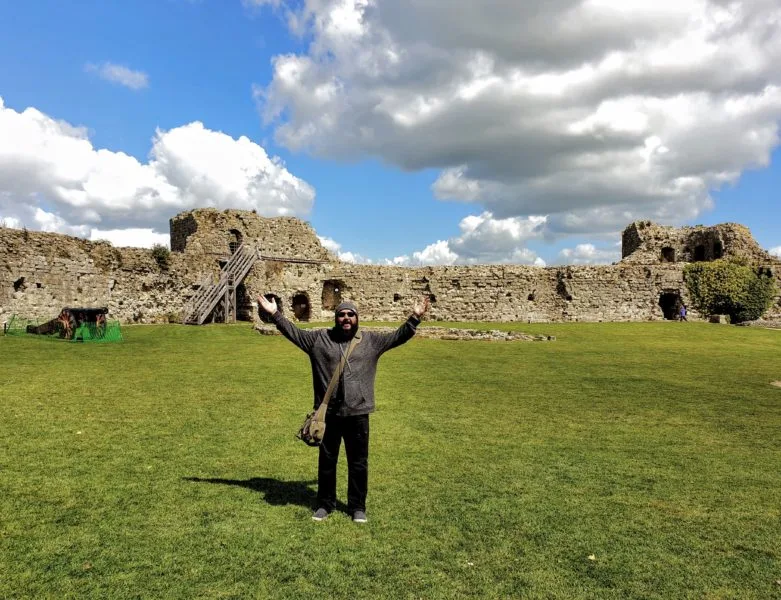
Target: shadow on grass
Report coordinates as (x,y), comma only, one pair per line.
(274,491)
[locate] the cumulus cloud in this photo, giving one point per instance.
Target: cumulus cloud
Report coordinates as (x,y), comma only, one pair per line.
(483,240)
(11,222)
(137,237)
(776,251)
(119,74)
(588,254)
(52,178)
(336,248)
(586,111)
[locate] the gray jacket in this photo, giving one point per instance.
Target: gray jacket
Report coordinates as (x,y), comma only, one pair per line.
(355,393)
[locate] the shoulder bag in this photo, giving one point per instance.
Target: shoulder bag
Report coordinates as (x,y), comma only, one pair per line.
(313,429)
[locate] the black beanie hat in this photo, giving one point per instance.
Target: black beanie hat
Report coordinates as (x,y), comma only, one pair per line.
(346,305)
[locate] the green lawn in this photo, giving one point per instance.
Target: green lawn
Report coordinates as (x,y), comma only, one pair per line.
(620,461)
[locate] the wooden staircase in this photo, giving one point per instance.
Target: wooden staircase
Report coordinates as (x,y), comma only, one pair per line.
(218,299)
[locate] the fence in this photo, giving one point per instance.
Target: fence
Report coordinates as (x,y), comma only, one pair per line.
(107,331)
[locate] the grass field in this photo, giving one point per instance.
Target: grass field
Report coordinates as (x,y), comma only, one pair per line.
(620,461)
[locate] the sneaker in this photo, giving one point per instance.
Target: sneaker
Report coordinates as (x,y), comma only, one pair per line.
(359,516)
(320,514)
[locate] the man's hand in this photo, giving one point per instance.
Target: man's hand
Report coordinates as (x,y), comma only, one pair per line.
(421,307)
(269,306)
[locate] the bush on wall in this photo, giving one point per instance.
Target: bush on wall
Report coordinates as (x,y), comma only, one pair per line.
(161,255)
(724,287)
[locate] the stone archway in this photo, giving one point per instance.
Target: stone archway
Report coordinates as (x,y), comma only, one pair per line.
(670,302)
(332,294)
(235,241)
(301,306)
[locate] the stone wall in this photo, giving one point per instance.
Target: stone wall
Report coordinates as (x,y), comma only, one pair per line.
(40,273)
(482,293)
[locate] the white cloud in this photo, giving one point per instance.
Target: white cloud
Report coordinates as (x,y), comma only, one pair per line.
(336,248)
(46,221)
(586,111)
(775,251)
(11,222)
(438,253)
(483,240)
(135,237)
(329,244)
(135,80)
(588,254)
(52,178)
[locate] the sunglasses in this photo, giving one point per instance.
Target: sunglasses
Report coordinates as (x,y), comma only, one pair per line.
(345,313)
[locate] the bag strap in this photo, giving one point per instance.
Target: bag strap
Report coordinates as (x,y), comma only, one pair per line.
(335,377)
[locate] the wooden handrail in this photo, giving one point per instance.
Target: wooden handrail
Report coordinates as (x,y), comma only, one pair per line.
(231,274)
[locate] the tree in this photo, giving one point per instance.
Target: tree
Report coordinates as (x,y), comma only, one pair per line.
(727,287)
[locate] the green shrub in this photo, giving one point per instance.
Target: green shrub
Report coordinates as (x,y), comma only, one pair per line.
(161,254)
(725,287)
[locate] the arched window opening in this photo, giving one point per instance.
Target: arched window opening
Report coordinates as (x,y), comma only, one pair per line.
(243,304)
(236,240)
(668,254)
(301,307)
(718,250)
(332,294)
(670,303)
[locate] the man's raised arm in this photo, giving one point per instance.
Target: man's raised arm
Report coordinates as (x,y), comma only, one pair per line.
(301,338)
(407,329)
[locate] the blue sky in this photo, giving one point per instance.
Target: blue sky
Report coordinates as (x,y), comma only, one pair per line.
(410,132)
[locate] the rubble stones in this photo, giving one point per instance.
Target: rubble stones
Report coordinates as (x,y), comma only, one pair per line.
(444,333)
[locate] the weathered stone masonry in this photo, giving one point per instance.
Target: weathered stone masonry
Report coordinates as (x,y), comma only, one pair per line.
(41,272)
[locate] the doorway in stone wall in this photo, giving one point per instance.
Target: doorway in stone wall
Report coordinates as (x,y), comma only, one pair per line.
(243,304)
(301,307)
(235,242)
(670,302)
(332,294)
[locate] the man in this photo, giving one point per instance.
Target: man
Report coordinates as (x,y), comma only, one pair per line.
(348,411)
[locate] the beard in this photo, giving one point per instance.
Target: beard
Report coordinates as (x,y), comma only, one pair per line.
(346,332)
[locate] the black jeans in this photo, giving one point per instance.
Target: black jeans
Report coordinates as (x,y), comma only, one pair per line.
(355,432)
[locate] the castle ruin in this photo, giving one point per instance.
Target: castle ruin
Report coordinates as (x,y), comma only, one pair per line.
(42,272)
